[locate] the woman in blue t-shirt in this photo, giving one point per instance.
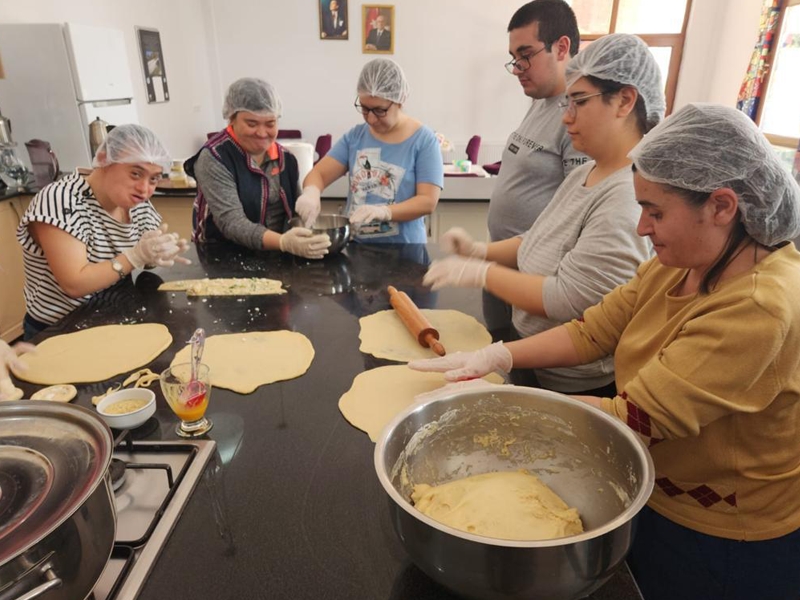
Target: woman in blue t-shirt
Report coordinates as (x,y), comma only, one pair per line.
(394,161)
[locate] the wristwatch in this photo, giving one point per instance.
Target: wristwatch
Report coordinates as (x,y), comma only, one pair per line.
(117,266)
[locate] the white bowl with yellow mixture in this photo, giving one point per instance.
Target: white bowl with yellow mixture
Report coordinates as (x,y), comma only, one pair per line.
(127,409)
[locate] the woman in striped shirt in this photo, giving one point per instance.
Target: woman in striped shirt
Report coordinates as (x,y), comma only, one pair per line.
(82,234)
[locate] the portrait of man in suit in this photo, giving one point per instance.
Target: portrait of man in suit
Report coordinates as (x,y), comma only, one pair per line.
(333,19)
(378,34)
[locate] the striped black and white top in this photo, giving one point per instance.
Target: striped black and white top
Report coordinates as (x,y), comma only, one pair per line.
(69,204)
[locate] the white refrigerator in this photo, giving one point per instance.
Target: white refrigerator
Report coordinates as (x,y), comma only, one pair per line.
(58,79)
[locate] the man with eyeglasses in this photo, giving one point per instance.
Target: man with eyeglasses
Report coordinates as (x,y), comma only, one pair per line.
(543,36)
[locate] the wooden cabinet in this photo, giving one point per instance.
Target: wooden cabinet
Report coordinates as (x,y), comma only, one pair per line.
(12,300)
(176,211)
(470,216)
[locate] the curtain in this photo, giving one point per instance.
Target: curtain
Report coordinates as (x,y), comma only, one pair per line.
(750,92)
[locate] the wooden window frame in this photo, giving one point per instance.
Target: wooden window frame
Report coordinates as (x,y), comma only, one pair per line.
(777,140)
(674,41)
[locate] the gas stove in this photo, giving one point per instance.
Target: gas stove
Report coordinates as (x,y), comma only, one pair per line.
(151,485)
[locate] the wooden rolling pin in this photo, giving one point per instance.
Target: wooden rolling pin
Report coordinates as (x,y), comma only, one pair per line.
(415,321)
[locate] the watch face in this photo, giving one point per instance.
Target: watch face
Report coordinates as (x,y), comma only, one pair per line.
(117,266)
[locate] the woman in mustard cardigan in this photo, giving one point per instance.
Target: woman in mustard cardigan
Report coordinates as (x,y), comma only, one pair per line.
(706,346)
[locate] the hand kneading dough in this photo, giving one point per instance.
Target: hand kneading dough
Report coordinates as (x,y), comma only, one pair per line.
(244,361)
(383,334)
(94,354)
(377,395)
(510,505)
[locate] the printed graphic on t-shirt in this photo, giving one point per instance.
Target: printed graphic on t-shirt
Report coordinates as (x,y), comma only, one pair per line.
(526,142)
(374,181)
(575,161)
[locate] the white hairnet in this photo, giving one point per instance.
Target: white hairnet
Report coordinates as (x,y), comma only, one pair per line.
(626,59)
(383,78)
(704,147)
(253,95)
(131,144)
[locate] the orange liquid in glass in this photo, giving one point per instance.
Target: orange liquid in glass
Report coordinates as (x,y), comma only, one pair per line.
(192,409)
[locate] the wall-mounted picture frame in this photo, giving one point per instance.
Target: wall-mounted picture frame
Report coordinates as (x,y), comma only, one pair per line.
(333,19)
(153,69)
(377,28)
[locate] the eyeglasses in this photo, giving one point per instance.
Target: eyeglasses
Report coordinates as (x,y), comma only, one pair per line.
(571,105)
(378,111)
(523,63)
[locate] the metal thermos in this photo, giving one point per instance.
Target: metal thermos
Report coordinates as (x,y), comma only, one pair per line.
(97,134)
(5,132)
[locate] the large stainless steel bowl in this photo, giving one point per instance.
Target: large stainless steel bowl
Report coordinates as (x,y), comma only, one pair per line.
(592,460)
(337,227)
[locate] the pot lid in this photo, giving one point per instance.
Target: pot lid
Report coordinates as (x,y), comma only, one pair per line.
(52,458)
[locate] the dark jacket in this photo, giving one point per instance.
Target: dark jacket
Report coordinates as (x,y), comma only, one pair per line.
(251,184)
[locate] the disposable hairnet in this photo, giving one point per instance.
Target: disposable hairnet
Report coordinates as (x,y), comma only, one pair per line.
(626,59)
(253,95)
(383,78)
(131,144)
(704,147)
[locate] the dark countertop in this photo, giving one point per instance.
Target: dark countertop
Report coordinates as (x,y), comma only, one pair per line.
(292,508)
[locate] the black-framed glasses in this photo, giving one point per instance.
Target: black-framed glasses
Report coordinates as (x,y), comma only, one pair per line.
(523,63)
(571,104)
(377,111)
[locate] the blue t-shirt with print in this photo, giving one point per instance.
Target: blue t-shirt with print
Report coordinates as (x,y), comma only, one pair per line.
(382,173)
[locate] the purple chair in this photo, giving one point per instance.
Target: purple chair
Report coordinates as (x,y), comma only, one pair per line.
(323,145)
(289,134)
(473,148)
(493,168)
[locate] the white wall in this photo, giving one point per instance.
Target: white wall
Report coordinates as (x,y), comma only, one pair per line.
(182,122)
(453,53)
(720,39)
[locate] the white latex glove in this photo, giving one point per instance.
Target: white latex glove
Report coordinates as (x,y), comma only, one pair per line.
(468,365)
(9,358)
(171,247)
(366,213)
(309,204)
(303,242)
(457,241)
(154,246)
(468,385)
(457,271)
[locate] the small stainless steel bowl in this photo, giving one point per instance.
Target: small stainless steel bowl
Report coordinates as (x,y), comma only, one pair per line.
(337,227)
(592,460)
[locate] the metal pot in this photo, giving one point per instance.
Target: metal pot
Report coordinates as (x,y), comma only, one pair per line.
(592,460)
(57,520)
(337,227)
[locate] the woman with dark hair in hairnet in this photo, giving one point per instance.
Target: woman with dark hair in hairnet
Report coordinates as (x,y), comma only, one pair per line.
(706,345)
(247,184)
(82,234)
(394,161)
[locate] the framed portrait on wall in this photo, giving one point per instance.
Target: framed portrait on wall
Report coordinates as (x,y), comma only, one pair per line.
(152,58)
(333,19)
(377,29)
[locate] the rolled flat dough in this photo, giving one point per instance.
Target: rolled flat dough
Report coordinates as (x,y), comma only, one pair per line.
(244,361)
(383,334)
(377,395)
(510,505)
(94,354)
(243,286)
